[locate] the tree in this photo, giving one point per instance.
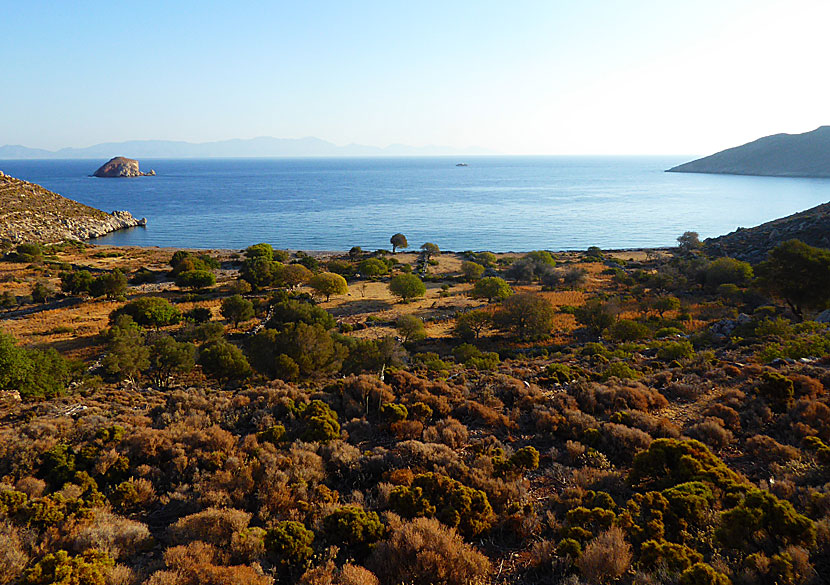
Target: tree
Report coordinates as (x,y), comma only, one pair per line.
(127,355)
(292,275)
(727,271)
(596,315)
(196,279)
(372,267)
(75,283)
(429,250)
(168,356)
(527,315)
(472,324)
(666,303)
(491,287)
(150,311)
(110,284)
(224,360)
(259,271)
(261,250)
(355,253)
(311,347)
(329,283)
(398,241)
(471,270)
(411,328)
(798,274)
(407,286)
(236,309)
(41,293)
(688,241)
(293,311)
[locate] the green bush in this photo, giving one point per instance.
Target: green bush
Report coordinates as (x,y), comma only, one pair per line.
(149,311)
(491,288)
(224,361)
(321,422)
(195,279)
(703,574)
(353,527)
(89,568)
(448,500)
(674,350)
(290,542)
(777,389)
(628,330)
(407,287)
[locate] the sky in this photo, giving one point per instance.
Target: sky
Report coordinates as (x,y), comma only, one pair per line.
(518,77)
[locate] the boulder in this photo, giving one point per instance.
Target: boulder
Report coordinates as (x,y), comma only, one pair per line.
(121,167)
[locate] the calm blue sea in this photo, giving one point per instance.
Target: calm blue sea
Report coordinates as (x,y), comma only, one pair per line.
(496,203)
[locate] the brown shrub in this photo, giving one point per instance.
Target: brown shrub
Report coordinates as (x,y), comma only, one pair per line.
(213,526)
(606,557)
(768,450)
(31,486)
(805,386)
(711,433)
(407,429)
(425,552)
(13,558)
(449,431)
(815,415)
(117,536)
(193,564)
(728,416)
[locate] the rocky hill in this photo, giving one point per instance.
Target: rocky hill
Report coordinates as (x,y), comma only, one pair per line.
(780,155)
(811,227)
(121,167)
(30,213)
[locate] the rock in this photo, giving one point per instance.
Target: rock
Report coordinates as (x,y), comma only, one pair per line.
(121,167)
(823,317)
(31,213)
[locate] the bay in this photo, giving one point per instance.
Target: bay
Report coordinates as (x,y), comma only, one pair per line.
(498,203)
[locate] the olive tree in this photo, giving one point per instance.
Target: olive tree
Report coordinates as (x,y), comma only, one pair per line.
(398,241)
(329,283)
(237,309)
(407,286)
(491,287)
(526,315)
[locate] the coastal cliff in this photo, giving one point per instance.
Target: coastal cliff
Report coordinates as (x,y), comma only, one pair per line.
(752,244)
(30,213)
(779,155)
(121,167)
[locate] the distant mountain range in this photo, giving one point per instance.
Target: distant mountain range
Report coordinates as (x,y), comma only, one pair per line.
(255,147)
(779,155)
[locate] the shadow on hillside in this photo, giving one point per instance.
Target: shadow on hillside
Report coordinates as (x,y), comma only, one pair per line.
(360,306)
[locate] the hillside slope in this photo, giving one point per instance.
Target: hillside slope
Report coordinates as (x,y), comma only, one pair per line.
(30,213)
(811,227)
(779,155)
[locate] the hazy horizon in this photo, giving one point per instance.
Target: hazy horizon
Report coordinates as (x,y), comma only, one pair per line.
(530,78)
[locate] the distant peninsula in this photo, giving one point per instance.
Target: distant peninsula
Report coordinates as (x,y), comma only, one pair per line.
(264,146)
(779,155)
(30,213)
(121,167)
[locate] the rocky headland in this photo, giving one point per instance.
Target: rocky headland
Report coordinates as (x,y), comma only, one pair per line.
(752,244)
(779,155)
(30,213)
(121,167)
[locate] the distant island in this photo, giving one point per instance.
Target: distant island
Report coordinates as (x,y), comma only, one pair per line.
(121,167)
(779,155)
(263,146)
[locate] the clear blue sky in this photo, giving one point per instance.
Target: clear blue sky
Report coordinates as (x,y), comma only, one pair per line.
(525,77)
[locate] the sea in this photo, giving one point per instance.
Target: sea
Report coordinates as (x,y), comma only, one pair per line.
(496,203)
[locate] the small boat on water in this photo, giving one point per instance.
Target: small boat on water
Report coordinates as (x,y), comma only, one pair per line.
(462,165)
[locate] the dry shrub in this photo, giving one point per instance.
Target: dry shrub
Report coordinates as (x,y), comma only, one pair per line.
(542,554)
(805,386)
(362,393)
(477,412)
(657,427)
(193,564)
(450,432)
(329,574)
(622,443)
(728,416)
(13,559)
(117,536)
(606,557)
(711,433)
(355,575)
(768,450)
(813,414)
(120,575)
(626,395)
(425,552)
(213,526)
(407,429)
(31,486)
